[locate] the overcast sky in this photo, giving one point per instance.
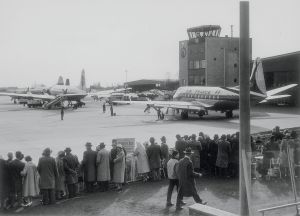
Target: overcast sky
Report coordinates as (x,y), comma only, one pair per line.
(40,40)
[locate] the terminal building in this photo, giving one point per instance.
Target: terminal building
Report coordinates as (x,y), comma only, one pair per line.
(206,59)
(282,70)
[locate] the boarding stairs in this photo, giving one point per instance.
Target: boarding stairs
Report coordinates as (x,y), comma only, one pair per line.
(52,103)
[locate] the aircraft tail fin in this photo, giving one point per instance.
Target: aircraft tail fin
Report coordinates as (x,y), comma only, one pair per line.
(67,82)
(257,79)
(60,81)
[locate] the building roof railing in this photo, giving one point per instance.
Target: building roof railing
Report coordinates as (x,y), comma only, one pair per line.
(204,31)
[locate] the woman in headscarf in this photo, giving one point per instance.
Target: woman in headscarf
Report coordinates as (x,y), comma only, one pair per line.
(31,180)
(142,161)
(119,167)
(60,186)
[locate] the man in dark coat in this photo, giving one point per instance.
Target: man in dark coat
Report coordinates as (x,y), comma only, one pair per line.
(154,155)
(62,113)
(113,156)
(180,146)
(111,110)
(15,168)
(89,167)
(71,166)
(186,176)
(104,107)
(48,172)
(212,154)
(165,154)
(4,189)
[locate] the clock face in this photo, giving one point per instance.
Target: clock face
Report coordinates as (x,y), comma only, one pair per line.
(183,52)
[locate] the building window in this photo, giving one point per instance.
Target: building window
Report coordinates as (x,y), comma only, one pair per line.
(215,59)
(235,65)
(191,64)
(203,64)
(197,64)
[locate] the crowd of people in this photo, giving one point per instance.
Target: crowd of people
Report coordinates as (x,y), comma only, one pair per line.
(102,170)
(275,147)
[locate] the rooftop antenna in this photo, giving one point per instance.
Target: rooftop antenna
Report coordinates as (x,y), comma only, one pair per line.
(231,27)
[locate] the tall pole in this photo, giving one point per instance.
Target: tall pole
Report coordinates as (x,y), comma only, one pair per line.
(125,79)
(244,104)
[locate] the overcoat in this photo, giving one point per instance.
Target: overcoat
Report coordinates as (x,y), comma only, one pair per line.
(103,170)
(180,146)
(15,168)
(142,159)
(71,165)
(186,176)
(154,155)
(4,179)
(89,165)
(165,153)
(61,177)
(224,150)
(119,168)
(234,154)
(195,157)
(31,180)
(48,172)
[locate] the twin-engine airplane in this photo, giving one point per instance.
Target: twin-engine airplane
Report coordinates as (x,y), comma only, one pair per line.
(201,99)
(51,97)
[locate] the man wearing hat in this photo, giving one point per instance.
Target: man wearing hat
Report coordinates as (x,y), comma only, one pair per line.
(15,168)
(186,177)
(48,173)
(103,171)
(119,167)
(71,165)
(154,155)
(165,154)
(180,146)
(89,167)
(196,148)
(173,179)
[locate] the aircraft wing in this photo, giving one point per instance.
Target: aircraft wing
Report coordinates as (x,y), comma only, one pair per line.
(273,97)
(28,96)
(195,105)
(281,89)
(72,96)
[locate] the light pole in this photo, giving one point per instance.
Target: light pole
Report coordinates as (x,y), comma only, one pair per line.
(125,78)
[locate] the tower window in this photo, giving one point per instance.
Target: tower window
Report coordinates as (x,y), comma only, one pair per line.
(215,59)
(235,65)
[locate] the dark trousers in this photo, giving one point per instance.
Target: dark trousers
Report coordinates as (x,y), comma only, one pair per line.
(222,172)
(155,174)
(72,190)
(180,197)
(48,196)
(104,185)
(89,186)
(172,184)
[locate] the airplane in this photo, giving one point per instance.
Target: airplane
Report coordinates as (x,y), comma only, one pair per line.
(107,94)
(50,97)
(201,99)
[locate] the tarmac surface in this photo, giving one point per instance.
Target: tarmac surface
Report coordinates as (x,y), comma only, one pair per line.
(32,130)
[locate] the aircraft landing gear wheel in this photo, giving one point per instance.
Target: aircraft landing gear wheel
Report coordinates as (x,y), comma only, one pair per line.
(229,114)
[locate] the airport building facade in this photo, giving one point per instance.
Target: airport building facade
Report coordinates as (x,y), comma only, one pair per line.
(282,70)
(206,59)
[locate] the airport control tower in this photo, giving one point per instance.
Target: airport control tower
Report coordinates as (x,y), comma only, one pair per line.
(207,59)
